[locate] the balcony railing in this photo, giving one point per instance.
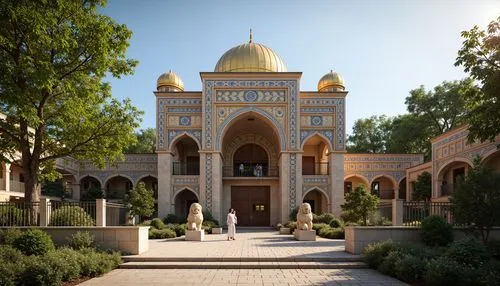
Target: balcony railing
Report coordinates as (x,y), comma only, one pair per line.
(185,169)
(446,190)
(250,171)
(315,169)
(386,194)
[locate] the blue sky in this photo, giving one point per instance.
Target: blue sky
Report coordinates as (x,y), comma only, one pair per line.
(383,48)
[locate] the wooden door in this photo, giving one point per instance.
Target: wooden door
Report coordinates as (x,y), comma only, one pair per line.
(308,165)
(252,205)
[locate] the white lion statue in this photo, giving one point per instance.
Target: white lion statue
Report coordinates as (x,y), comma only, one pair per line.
(304,217)
(195,217)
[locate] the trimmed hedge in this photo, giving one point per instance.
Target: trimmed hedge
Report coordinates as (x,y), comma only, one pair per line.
(375,253)
(158,223)
(435,231)
(161,233)
(71,216)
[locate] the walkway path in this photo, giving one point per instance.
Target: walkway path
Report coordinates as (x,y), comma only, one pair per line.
(290,262)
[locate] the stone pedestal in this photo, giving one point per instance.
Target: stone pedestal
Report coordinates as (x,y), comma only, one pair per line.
(195,235)
(216,230)
(305,235)
(285,230)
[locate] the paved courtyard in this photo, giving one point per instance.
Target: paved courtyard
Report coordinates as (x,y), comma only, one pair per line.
(263,245)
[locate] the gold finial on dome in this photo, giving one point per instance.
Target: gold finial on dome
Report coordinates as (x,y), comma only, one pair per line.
(331,81)
(250,57)
(169,82)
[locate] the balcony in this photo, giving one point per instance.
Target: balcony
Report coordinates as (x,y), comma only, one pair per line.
(446,190)
(386,194)
(250,171)
(185,169)
(315,169)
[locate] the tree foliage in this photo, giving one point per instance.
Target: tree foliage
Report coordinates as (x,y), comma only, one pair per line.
(423,187)
(140,200)
(359,205)
(54,56)
(480,56)
(369,135)
(476,198)
(146,142)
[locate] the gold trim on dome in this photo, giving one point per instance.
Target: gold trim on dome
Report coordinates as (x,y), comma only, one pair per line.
(331,80)
(169,81)
(251,57)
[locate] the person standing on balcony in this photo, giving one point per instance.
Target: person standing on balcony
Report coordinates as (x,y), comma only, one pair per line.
(242,169)
(231,221)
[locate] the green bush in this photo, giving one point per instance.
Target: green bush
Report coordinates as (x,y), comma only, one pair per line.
(422,251)
(207,216)
(490,273)
(172,218)
(10,216)
(158,223)
(41,271)
(494,248)
(435,231)
(65,261)
(468,251)
(324,218)
(410,268)
(375,253)
(34,242)
(292,225)
(81,239)
(11,265)
(95,263)
(9,235)
(293,214)
(208,225)
(161,233)
(443,271)
(71,216)
(332,233)
(318,226)
(389,263)
(180,229)
(335,223)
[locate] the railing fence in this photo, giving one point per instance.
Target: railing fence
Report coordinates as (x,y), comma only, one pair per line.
(415,212)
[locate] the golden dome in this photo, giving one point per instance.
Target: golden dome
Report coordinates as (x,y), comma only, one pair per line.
(251,57)
(169,81)
(331,81)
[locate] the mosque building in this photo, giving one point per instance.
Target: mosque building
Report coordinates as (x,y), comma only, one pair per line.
(253,141)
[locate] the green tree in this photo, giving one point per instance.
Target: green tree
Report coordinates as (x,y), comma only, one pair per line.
(146,142)
(422,188)
(359,205)
(410,135)
(476,198)
(140,200)
(92,194)
(54,57)
(369,135)
(480,56)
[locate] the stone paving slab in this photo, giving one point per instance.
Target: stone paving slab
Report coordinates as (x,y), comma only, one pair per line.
(241,265)
(244,277)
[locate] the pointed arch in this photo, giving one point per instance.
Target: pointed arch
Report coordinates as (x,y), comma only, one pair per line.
(91,176)
(266,116)
(185,189)
(179,137)
(363,178)
(393,181)
(316,188)
(145,176)
(451,161)
(325,139)
(119,175)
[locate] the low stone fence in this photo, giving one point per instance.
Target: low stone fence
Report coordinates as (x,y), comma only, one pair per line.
(358,237)
(129,239)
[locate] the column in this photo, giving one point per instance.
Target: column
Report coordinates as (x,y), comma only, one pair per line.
(100,211)
(284,167)
(44,211)
(217,186)
(336,166)
(165,204)
(7,177)
(397,212)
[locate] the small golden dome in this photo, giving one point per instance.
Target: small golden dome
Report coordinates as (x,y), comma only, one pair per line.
(331,81)
(169,81)
(251,57)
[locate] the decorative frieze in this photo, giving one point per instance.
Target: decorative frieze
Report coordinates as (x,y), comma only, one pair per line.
(293,181)
(248,96)
(315,180)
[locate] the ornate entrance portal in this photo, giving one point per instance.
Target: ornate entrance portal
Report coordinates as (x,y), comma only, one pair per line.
(252,205)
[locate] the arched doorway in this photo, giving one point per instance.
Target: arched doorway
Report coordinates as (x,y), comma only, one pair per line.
(89,183)
(183,201)
(353,181)
(315,156)
(117,187)
(493,161)
(186,157)
(449,175)
(402,189)
(318,201)
(251,160)
(383,186)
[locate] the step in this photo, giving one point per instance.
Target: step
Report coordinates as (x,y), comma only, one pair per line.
(243,265)
(350,258)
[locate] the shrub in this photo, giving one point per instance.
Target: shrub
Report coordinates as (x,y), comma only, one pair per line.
(158,223)
(490,273)
(172,218)
(443,271)
(336,223)
(207,216)
(293,214)
(81,239)
(435,231)
(10,216)
(318,226)
(161,233)
(71,216)
(332,233)
(324,218)
(410,268)
(34,242)
(208,225)
(494,248)
(375,253)
(468,251)
(422,251)
(388,265)
(292,225)
(180,229)
(9,235)
(66,261)
(39,271)
(95,263)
